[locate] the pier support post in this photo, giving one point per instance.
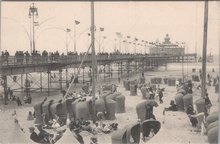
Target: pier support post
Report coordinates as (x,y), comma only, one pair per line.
(41,87)
(27,85)
(67,83)
(83,74)
(119,79)
(22,83)
(48,83)
(142,69)
(136,65)
(121,69)
(60,79)
(128,69)
(5,85)
(110,72)
(104,73)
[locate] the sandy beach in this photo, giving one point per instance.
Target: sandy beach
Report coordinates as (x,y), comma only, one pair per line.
(175,129)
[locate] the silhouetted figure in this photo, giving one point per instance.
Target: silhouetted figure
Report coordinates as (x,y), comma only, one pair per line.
(172,107)
(18,101)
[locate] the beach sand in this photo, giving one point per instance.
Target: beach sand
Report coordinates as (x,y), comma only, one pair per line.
(175,129)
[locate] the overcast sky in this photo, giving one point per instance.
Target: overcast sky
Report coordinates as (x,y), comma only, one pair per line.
(149,21)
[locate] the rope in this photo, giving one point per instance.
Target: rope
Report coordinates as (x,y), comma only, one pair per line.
(78,71)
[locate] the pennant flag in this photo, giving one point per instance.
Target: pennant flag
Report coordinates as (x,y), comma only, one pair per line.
(77,22)
(36,24)
(101,29)
(68,30)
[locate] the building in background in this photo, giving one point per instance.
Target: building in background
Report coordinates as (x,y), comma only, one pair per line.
(167,48)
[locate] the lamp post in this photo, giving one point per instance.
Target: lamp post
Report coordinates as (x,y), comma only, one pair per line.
(103,44)
(119,35)
(76,22)
(32,13)
(135,40)
(100,30)
(125,45)
(67,31)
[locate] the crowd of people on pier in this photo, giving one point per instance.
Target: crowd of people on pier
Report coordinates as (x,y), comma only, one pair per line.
(22,57)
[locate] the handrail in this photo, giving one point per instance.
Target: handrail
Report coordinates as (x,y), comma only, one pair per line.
(74,58)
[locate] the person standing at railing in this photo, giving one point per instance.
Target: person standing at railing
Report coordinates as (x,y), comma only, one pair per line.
(27,56)
(6,55)
(44,55)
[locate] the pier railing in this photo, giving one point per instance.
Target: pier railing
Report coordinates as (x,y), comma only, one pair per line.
(75,58)
(29,60)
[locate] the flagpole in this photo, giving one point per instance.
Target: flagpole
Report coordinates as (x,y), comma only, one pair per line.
(66,42)
(205,33)
(75,36)
(99,40)
(120,45)
(93,56)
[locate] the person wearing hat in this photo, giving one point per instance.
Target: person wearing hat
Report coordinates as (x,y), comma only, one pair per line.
(34,135)
(160,94)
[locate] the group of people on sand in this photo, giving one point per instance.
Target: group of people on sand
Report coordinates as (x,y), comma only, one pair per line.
(190,111)
(75,125)
(153,93)
(48,124)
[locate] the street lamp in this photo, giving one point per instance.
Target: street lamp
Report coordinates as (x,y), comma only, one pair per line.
(32,13)
(103,45)
(75,23)
(100,30)
(120,37)
(135,40)
(125,45)
(67,31)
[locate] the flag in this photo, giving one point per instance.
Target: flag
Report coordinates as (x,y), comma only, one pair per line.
(77,22)
(36,24)
(119,34)
(101,29)
(68,30)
